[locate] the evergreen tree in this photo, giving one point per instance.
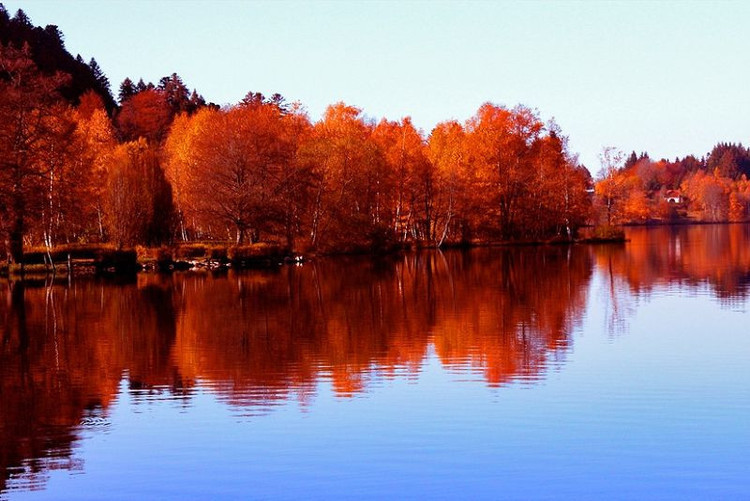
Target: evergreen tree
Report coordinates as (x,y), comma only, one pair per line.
(253,99)
(732,160)
(54,33)
(22,19)
(631,161)
(196,102)
(176,93)
(279,101)
(99,75)
(127,90)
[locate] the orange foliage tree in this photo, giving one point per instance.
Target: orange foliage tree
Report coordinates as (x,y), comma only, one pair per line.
(181,168)
(502,145)
(147,114)
(234,170)
(522,181)
(138,198)
(405,154)
(448,154)
(76,177)
(560,203)
(95,143)
(709,194)
(351,199)
(34,127)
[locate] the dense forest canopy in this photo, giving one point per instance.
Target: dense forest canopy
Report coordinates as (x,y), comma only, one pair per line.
(162,165)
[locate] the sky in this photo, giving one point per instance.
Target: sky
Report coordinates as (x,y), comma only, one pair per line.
(668,78)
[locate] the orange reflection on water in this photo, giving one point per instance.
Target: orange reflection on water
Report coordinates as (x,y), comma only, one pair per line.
(717,255)
(257,338)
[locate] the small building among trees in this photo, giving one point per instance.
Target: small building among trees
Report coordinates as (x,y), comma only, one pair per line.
(673,196)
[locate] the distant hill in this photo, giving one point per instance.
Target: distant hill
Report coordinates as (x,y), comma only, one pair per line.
(49,53)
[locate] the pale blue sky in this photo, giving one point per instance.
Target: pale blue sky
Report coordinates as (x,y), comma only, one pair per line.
(670,78)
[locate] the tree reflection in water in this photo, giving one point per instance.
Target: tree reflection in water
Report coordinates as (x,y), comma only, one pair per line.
(259,338)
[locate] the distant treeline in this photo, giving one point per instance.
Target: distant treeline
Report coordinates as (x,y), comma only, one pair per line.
(638,189)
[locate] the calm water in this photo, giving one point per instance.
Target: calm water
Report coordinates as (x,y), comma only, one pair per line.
(605,372)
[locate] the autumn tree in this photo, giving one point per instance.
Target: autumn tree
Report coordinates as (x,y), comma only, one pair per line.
(94,144)
(350,204)
(138,198)
(708,194)
(182,166)
(32,127)
(610,188)
(502,144)
(636,206)
(559,203)
(145,115)
(448,155)
(295,178)
(238,168)
(61,215)
(76,176)
(241,155)
(405,154)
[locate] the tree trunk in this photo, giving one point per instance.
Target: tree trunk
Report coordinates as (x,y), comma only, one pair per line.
(290,226)
(183,231)
(16,239)
(18,310)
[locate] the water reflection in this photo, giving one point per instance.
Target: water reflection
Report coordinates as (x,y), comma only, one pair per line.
(63,353)
(256,339)
(351,322)
(713,256)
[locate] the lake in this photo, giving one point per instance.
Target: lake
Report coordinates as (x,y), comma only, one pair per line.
(618,371)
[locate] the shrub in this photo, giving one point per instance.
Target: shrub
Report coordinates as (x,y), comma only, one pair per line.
(256,252)
(608,232)
(190,251)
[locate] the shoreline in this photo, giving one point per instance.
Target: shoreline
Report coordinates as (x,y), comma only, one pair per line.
(105,260)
